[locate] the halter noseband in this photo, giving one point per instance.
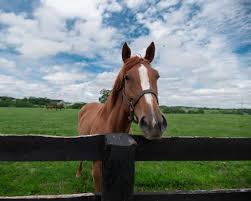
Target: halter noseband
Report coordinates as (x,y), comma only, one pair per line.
(133,102)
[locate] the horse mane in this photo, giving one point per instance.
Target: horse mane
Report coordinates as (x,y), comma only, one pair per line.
(118,84)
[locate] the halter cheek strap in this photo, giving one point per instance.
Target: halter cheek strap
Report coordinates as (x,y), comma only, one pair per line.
(133,102)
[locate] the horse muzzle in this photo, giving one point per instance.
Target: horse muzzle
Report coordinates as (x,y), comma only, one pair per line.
(153,128)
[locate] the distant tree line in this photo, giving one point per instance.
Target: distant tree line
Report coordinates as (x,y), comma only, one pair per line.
(76,105)
(195,110)
(181,110)
(6,101)
(104,93)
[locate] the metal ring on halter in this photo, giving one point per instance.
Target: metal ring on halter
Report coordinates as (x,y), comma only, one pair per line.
(132,116)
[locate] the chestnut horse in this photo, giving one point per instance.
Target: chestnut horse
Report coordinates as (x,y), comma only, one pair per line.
(134,97)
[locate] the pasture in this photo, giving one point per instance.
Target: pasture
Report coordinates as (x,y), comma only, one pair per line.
(59,177)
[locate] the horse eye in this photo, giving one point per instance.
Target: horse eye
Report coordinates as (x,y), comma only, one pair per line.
(126,77)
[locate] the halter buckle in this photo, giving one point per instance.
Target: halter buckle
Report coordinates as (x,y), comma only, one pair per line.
(132,117)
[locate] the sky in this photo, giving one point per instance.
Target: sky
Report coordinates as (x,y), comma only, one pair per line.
(70,50)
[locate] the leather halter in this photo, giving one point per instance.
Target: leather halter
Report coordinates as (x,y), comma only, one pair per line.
(133,101)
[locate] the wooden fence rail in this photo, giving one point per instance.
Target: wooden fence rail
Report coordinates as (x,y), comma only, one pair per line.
(198,195)
(119,153)
(50,148)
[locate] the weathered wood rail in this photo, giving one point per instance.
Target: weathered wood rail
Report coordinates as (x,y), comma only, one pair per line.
(119,153)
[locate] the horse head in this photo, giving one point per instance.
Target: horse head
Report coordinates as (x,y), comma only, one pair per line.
(137,81)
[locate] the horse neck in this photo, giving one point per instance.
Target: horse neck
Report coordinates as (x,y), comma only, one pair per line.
(117,115)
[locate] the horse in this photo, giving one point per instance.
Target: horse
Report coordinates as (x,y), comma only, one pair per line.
(55,106)
(60,106)
(134,97)
(50,106)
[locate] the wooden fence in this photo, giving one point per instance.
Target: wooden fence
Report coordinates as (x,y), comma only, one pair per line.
(119,153)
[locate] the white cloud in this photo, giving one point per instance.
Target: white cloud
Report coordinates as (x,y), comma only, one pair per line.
(6,64)
(28,36)
(47,33)
(167,3)
(134,3)
(88,91)
(76,8)
(194,49)
(196,62)
(64,77)
(88,9)
(36,48)
(11,86)
(111,5)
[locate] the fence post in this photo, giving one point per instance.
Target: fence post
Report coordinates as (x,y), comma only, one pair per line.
(118,168)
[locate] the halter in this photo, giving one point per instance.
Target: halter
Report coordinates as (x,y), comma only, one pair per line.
(133,101)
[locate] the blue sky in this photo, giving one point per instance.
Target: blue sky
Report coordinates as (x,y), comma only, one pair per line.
(72,49)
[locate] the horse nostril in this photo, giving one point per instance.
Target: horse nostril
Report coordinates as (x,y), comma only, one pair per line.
(163,123)
(143,122)
(159,125)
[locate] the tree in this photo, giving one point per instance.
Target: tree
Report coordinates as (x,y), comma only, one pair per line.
(104,95)
(77,105)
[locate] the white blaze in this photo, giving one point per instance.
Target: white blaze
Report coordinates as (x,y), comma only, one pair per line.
(145,84)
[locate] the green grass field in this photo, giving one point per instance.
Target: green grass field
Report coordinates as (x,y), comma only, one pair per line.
(29,178)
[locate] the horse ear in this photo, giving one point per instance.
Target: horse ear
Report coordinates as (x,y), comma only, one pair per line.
(126,52)
(150,51)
